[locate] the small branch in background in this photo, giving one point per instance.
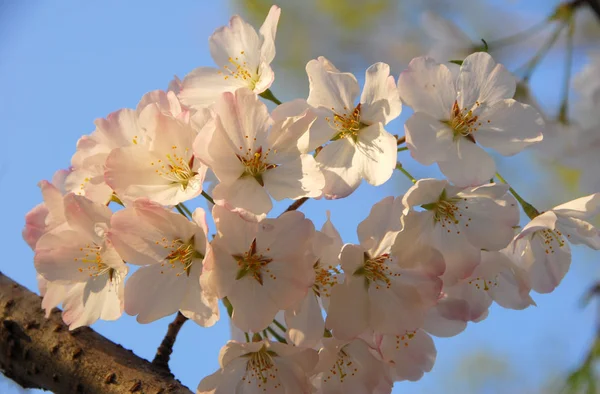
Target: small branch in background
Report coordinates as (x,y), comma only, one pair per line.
(401,140)
(296,204)
(163,353)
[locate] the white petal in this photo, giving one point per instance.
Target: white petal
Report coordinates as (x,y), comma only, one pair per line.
(427,86)
(509,127)
(376,153)
(483,80)
(244,193)
(380,98)
(469,165)
(299,178)
(204,85)
(330,88)
(268,31)
(336,160)
(428,139)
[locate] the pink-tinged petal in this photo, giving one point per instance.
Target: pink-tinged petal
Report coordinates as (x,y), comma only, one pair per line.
(221,156)
(305,322)
(244,118)
(100,298)
(59,256)
(285,134)
(489,223)
(460,256)
(330,88)
(146,233)
(237,43)
(35,225)
(204,85)
(155,291)
(468,165)
(581,208)
(412,354)
(425,191)
(427,86)
(428,139)
(508,127)
(337,161)
(86,216)
(509,285)
(245,193)
(483,80)
(546,220)
(234,230)
(382,225)
(299,178)
(268,31)
(348,312)
(54,294)
(286,236)
(376,154)
(380,98)
(197,304)
(450,42)
(578,231)
(245,296)
(441,326)
(53,200)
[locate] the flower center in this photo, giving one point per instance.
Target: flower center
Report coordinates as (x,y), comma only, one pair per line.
(376,270)
(255,165)
(260,368)
(183,254)
(552,239)
(446,212)
(483,283)
(240,70)
(342,367)
(403,340)
(176,169)
(347,125)
(92,261)
(325,279)
(253,264)
(463,122)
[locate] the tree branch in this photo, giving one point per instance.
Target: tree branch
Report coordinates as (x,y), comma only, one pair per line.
(163,353)
(42,353)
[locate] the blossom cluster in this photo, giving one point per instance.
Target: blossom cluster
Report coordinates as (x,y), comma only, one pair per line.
(314,314)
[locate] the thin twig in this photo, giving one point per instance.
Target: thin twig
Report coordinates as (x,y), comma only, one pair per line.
(400,140)
(296,204)
(163,353)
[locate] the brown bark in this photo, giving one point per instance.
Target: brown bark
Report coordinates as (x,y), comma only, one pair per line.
(42,353)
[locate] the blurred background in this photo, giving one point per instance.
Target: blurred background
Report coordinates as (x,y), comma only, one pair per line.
(64,63)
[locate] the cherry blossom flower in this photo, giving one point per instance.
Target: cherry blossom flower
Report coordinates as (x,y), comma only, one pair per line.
(78,254)
(458,222)
(456,110)
(169,248)
(542,248)
(305,322)
(48,215)
(261,267)
(162,169)
(376,281)
(360,147)
(254,157)
(351,367)
(409,355)
(244,59)
(263,367)
(497,278)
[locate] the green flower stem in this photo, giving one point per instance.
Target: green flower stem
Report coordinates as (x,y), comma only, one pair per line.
(247,337)
(527,207)
(402,149)
(276,335)
(408,175)
(268,95)
(181,211)
(279,325)
(228,306)
(208,197)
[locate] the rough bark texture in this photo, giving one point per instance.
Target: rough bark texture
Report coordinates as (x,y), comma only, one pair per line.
(42,353)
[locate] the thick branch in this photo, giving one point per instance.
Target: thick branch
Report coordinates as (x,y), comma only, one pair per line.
(42,353)
(163,353)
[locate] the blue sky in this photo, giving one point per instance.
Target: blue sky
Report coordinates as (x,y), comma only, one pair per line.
(65,63)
